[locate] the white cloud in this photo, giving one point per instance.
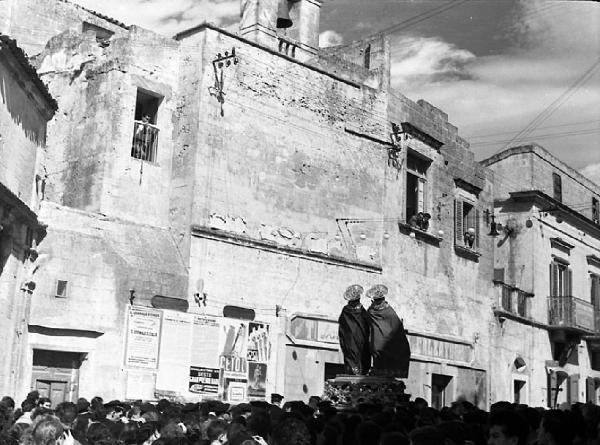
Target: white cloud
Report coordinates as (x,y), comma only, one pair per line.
(330,38)
(165,17)
(592,172)
(421,61)
(554,44)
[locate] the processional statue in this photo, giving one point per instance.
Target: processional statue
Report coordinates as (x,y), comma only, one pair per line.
(374,341)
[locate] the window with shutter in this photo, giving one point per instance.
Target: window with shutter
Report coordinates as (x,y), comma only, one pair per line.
(595,299)
(557,186)
(458,223)
(416,187)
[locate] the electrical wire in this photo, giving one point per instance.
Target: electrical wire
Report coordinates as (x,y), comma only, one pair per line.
(555,105)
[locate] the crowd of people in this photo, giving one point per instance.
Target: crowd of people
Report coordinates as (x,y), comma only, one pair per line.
(317,422)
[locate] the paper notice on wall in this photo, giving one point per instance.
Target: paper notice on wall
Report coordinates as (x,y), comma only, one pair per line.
(205,344)
(143,335)
(140,386)
(234,367)
(259,344)
(175,349)
(233,338)
(234,390)
(257,380)
(204,380)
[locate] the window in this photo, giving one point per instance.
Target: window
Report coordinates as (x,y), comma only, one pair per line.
(440,386)
(102,34)
(522,303)
(367,61)
(518,390)
(595,299)
(145,131)
(595,211)
(416,191)
(573,388)
(557,186)
(561,277)
(466,224)
(61,289)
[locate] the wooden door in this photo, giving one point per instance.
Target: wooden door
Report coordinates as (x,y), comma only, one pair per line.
(55,375)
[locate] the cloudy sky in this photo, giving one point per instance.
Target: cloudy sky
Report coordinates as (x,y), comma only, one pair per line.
(499,68)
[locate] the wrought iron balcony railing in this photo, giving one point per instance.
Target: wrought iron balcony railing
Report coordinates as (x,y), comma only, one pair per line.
(145,141)
(569,312)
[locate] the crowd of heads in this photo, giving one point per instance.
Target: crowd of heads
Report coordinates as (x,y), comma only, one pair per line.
(96,422)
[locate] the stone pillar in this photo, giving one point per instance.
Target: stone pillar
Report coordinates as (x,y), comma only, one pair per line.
(305,15)
(258,21)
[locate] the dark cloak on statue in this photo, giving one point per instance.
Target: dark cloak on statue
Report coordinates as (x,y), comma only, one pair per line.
(354,338)
(389,346)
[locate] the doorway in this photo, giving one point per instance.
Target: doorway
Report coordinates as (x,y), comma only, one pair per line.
(55,375)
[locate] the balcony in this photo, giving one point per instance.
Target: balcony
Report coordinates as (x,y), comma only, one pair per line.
(570,313)
(145,141)
(513,300)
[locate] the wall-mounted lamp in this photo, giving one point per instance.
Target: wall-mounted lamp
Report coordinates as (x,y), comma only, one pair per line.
(490,219)
(131,296)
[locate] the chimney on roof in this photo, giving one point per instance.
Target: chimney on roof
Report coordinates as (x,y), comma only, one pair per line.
(260,20)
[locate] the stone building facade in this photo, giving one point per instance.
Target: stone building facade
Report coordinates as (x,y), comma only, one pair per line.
(250,173)
(25,109)
(546,277)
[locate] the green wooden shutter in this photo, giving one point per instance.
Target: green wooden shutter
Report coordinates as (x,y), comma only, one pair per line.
(569,282)
(458,223)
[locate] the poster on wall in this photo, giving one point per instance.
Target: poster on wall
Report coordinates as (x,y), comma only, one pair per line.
(205,350)
(232,338)
(143,330)
(204,380)
(259,344)
(257,380)
(175,350)
(234,390)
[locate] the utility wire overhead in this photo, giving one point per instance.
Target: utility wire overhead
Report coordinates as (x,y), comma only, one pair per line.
(555,105)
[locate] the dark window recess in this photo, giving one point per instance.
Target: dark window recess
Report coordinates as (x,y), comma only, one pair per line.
(238,312)
(333,369)
(518,386)
(103,35)
(367,61)
(595,360)
(557,186)
(565,353)
(61,289)
(145,131)
(439,389)
(595,211)
(595,299)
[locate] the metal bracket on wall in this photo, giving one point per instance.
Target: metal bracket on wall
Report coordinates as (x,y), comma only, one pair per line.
(220,62)
(395,149)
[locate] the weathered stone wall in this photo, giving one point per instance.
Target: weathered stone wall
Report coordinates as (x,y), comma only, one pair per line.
(33,22)
(530,167)
(89,164)
(524,253)
(24,111)
(102,259)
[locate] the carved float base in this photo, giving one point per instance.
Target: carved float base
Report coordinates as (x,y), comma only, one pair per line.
(348,391)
